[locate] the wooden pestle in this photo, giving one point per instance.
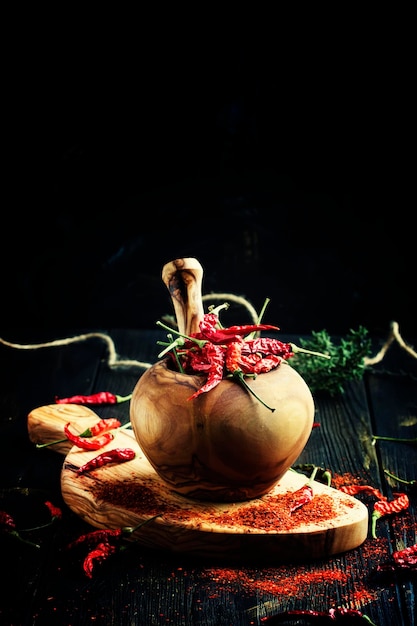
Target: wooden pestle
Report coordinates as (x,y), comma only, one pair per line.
(183,278)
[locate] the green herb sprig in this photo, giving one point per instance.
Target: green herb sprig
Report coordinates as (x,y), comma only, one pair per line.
(347,360)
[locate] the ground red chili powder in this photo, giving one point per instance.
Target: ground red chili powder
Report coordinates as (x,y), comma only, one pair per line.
(269,514)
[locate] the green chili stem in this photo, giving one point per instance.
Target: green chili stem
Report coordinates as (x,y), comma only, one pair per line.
(129,530)
(296,349)
(400,480)
(177,359)
(17,536)
(239,375)
(375,517)
(123,398)
(397,439)
(177,342)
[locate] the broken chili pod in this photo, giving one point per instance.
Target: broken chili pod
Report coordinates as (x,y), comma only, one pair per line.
(102,397)
(383,507)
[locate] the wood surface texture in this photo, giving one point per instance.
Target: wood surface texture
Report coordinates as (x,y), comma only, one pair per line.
(157,585)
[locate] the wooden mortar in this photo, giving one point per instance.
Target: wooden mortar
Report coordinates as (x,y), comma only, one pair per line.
(224,445)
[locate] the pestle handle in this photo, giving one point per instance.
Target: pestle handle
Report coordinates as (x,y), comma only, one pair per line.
(183,278)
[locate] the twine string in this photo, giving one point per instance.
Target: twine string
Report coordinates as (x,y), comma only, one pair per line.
(113,360)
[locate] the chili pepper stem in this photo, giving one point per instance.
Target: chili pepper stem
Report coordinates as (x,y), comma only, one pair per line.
(17,536)
(375,517)
(397,439)
(124,398)
(296,349)
(400,480)
(51,443)
(179,341)
(129,530)
(239,375)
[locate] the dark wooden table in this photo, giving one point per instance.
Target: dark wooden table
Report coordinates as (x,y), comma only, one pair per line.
(47,585)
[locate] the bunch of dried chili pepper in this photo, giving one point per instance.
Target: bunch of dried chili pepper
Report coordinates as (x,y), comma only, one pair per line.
(232,352)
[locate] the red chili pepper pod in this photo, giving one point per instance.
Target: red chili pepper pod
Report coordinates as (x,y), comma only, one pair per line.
(117,455)
(102,397)
(93,443)
(383,507)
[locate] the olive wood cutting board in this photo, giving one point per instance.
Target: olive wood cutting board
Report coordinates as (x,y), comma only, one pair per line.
(130,493)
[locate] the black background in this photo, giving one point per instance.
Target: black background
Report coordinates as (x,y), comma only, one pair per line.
(284,163)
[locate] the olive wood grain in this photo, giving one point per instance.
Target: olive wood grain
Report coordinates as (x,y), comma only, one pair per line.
(46,424)
(130,493)
(183,278)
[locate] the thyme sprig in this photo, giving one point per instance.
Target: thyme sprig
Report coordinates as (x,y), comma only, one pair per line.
(347,360)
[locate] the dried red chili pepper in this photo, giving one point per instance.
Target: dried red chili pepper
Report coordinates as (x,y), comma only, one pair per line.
(55,511)
(304,494)
(100,553)
(92,443)
(214,355)
(109,423)
(117,455)
(96,536)
(209,329)
(102,397)
(266,345)
(406,556)
(401,561)
(383,507)
(333,615)
(352,490)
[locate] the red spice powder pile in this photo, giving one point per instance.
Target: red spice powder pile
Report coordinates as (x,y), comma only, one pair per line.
(269,514)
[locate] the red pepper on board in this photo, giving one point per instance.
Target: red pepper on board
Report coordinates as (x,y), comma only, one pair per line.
(383,507)
(102,397)
(88,443)
(304,494)
(102,426)
(117,455)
